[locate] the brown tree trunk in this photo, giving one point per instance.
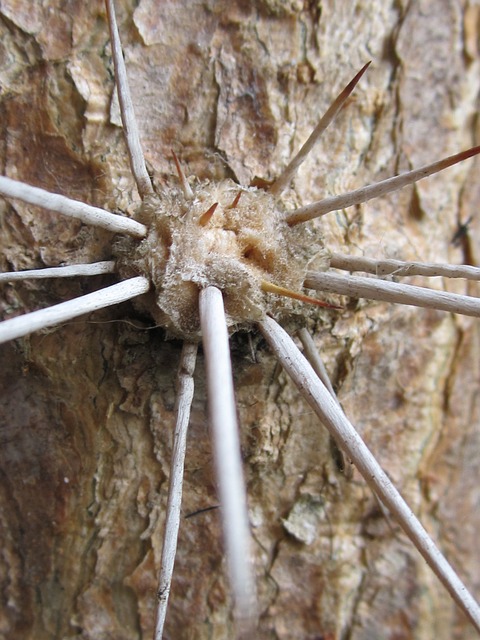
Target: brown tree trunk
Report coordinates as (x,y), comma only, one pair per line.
(87,409)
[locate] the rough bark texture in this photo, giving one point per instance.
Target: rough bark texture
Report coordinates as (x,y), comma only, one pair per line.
(87,409)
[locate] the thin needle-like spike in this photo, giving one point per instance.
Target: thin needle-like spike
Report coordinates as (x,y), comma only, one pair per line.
(320,208)
(344,433)
(185,387)
(282,182)
(231,485)
(132,137)
(373,289)
(70,271)
(312,355)
(59,313)
(400,268)
(187,189)
(73,208)
(269,287)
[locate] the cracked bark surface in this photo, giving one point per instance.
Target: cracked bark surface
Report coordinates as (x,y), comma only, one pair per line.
(87,409)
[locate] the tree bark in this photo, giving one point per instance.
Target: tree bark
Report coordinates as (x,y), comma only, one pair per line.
(87,411)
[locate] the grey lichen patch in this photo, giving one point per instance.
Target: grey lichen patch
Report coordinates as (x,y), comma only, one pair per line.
(244,242)
(305,519)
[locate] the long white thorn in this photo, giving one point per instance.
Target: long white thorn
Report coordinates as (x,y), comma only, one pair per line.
(400,268)
(314,358)
(288,174)
(373,289)
(345,435)
(59,313)
(231,484)
(321,207)
(73,208)
(132,137)
(185,388)
(70,271)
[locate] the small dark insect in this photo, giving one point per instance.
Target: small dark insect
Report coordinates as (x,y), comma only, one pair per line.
(461,238)
(461,232)
(200,511)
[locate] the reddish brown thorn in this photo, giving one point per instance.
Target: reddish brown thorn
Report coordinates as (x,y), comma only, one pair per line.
(269,287)
(207,216)
(187,190)
(286,177)
(236,201)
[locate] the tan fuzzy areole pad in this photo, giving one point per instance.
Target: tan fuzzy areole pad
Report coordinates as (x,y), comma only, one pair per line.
(245,242)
